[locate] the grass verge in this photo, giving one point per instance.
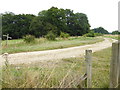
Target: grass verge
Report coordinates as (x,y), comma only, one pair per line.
(63,73)
(16,46)
(117,37)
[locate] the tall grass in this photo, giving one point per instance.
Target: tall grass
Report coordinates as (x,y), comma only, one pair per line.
(64,73)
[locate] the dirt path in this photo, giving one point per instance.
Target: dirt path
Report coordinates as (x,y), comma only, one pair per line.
(41,56)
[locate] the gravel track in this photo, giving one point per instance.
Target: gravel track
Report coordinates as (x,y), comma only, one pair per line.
(57,54)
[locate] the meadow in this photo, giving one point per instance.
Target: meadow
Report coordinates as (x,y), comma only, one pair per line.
(113,36)
(63,73)
(16,46)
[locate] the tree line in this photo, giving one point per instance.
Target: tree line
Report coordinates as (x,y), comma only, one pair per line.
(53,20)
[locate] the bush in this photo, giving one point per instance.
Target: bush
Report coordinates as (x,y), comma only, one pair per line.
(50,36)
(29,38)
(90,34)
(98,34)
(64,35)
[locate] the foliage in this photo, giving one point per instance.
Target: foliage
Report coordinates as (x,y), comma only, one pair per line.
(100,30)
(116,32)
(53,19)
(50,36)
(39,27)
(64,35)
(29,39)
(90,34)
(16,26)
(98,34)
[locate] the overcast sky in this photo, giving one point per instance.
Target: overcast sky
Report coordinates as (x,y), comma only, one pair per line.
(100,12)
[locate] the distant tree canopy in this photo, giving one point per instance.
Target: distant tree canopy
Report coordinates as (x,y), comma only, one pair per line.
(52,20)
(100,30)
(16,25)
(115,32)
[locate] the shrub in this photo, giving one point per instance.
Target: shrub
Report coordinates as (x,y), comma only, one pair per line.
(64,35)
(50,36)
(90,34)
(98,34)
(29,38)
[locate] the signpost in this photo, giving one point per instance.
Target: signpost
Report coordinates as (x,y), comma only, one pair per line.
(7,37)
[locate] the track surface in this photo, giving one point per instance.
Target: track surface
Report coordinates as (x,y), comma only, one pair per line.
(42,56)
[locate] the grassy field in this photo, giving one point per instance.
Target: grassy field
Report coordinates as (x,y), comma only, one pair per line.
(63,73)
(113,36)
(15,46)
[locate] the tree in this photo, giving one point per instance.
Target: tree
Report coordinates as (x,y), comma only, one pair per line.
(39,27)
(115,32)
(16,26)
(100,30)
(54,20)
(82,25)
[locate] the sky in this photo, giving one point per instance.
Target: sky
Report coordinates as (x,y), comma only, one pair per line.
(102,13)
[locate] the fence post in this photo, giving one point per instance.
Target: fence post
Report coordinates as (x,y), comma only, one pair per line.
(89,68)
(114,67)
(119,65)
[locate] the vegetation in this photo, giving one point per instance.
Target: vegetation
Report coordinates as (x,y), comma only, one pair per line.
(117,37)
(90,34)
(53,19)
(63,73)
(16,26)
(29,39)
(64,35)
(115,32)
(15,46)
(98,34)
(51,36)
(100,30)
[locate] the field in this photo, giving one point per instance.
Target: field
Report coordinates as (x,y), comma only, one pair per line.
(113,36)
(15,46)
(63,73)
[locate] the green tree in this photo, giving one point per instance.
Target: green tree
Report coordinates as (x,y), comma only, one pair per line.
(53,19)
(115,32)
(39,27)
(16,26)
(100,30)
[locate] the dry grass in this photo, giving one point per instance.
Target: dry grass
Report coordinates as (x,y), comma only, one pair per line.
(63,73)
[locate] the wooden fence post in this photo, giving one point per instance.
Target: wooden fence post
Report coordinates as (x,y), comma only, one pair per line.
(89,68)
(114,67)
(119,64)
